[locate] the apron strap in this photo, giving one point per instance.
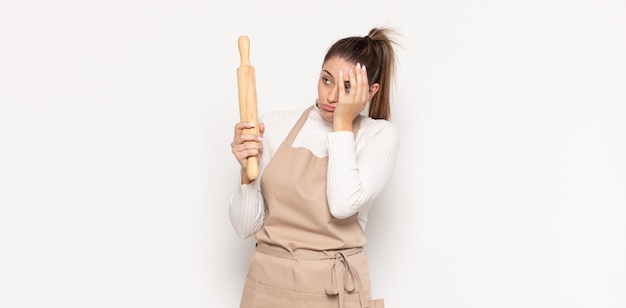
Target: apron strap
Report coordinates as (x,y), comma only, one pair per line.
(351,280)
(296,128)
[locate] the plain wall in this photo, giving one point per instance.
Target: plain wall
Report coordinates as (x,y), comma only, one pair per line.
(115,168)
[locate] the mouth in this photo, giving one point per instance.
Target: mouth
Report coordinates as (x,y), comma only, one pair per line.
(328,108)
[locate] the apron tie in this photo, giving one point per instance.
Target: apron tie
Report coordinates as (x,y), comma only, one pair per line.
(343,278)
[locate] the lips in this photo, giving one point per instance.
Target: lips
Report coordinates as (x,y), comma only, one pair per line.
(328,108)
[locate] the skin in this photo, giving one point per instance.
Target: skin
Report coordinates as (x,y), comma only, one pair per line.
(337,105)
(245,145)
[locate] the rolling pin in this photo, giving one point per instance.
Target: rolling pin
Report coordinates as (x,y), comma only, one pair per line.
(247,100)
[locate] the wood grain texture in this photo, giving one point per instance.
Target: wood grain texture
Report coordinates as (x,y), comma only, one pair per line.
(248,110)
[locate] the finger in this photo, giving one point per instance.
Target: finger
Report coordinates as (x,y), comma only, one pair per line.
(252,149)
(354,86)
(239,127)
(250,146)
(363,87)
(245,150)
(249,138)
(244,125)
(364,78)
(238,146)
(341,88)
(358,83)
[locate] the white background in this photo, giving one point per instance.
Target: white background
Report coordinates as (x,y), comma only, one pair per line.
(115,165)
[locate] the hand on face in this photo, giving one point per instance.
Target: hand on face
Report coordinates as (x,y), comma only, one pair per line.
(353,95)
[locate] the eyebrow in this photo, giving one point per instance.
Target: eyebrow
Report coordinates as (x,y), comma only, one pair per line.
(327,72)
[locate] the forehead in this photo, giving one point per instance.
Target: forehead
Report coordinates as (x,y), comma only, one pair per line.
(336,64)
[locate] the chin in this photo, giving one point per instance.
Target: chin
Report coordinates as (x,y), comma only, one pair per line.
(327,116)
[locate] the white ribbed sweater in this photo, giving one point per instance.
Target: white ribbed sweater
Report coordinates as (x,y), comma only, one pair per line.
(357,169)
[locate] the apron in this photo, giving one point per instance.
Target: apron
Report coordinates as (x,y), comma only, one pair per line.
(305,257)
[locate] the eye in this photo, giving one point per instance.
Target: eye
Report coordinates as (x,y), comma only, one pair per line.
(346,85)
(326,80)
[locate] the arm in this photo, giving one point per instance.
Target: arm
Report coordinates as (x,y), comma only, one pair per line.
(358,173)
(247,208)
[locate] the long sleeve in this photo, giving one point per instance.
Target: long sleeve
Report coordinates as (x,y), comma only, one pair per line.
(247,205)
(358,171)
(246,211)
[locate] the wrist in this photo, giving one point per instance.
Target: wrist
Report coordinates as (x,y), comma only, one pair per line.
(342,126)
(244,177)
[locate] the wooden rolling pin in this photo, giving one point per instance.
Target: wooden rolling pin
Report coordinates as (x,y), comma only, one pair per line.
(248,111)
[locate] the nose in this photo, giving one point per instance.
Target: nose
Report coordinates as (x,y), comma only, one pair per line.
(333,96)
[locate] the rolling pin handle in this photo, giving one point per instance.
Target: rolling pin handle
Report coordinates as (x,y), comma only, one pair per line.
(244,50)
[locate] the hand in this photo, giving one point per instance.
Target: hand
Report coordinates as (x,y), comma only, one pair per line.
(352,98)
(246,143)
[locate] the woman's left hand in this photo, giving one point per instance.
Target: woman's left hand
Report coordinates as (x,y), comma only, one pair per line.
(352,98)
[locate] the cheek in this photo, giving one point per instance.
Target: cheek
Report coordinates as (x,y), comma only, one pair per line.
(322,90)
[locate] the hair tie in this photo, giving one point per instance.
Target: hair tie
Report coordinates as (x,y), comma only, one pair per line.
(369,39)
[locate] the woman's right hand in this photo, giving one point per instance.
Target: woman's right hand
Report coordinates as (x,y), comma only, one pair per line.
(246,144)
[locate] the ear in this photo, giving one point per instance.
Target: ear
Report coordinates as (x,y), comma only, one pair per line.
(373,90)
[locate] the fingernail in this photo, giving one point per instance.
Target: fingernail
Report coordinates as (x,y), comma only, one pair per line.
(340,73)
(251,124)
(363,67)
(358,66)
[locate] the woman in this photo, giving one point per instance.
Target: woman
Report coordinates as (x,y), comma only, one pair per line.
(320,170)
